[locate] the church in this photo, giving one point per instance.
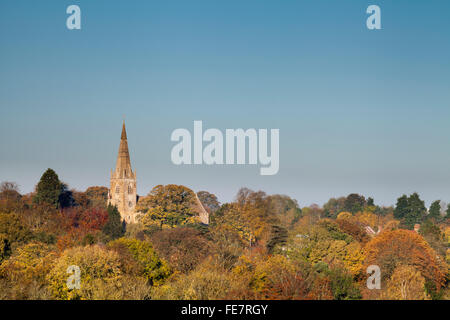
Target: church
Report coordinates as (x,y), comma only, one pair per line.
(123,192)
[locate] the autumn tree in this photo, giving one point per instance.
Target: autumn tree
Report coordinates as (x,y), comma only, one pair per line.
(10,198)
(12,229)
(278,237)
(26,270)
(154,269)
(353,229)
(206,282)
(97,265)
(285,209)
(184,248)
(97,196)
(209,201)
(168,206)
(333,207)
(391,249)
(406,283)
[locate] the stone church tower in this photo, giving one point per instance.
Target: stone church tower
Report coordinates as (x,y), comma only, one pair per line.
(122,192)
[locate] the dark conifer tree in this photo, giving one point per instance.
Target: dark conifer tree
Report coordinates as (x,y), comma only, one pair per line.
(113,227)
(48,189)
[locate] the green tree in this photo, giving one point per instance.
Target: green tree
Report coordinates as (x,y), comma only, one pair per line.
(152,267)
(435,211)
(342,285)
(354,203)
(48,189)
(410,210)
(113,227)
(402,207)
(417,211)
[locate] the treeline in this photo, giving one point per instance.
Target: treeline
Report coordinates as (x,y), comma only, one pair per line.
(257,247)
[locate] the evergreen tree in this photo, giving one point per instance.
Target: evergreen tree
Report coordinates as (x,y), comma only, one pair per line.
(448,212)
(410,210)
(48,189)
(354,203)
(401,208)
(417,211)
(113,227)
(435,211)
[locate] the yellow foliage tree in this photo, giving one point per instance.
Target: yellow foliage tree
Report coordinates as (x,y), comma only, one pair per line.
(97,265)
(345,215)
(406,283)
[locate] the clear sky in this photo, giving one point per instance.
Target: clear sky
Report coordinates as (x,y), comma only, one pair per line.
(358,110)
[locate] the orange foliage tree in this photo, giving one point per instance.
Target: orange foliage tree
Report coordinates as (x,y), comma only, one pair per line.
(404,247)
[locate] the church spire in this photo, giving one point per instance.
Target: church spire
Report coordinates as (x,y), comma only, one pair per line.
(123,164)
(122,192)
(124,132)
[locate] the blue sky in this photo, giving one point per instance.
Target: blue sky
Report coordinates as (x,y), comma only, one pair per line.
(358,110)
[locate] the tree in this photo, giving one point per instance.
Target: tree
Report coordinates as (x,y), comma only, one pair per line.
(9,191)
(154,269)
(48,189)
(435,211)
(402,207)
(333,207)
(285,209)
(417,211)
(406,283)
(391,249)
(26,270)
(278,237)
(113,227)
(342,285)
(98,267)
(448,212)
(97,196)
(410,210)
(65,198)
(184,248)
(168,206)
(354,203)
(12,228)
(209,201)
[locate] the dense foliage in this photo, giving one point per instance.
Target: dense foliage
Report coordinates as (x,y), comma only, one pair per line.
(258,246)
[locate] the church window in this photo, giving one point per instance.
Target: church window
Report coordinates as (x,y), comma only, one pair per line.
(130,204)
(130,189)
(117,189)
